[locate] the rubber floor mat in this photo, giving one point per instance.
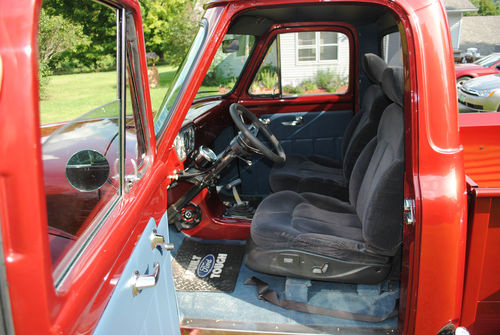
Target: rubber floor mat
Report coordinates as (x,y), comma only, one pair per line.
(207,267)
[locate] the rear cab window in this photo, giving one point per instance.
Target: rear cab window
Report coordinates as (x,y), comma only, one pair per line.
(391,49)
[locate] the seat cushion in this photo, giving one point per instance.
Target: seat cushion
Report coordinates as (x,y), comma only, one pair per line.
(309,174)
(309,222)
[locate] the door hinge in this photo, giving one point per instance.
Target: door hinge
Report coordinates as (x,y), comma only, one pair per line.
(409,211)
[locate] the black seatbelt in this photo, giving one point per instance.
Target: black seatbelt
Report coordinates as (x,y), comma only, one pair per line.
(265,293)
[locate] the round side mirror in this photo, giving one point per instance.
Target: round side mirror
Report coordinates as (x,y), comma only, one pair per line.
(87,170)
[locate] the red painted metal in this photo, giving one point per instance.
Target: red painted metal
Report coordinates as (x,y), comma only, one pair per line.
(37,308)
(480,136)
(481,307)
(435,247)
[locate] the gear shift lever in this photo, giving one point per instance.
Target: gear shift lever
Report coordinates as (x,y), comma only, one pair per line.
(240,209)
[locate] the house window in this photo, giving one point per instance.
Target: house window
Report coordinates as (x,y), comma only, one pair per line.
(317,46)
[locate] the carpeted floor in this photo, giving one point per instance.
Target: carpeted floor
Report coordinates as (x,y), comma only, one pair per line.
(242,306)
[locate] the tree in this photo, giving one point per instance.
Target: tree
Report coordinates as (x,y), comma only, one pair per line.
(55,36)
(98,24)
(485,8)
(169,27)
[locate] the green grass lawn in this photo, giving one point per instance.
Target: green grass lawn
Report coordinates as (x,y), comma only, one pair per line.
(69,96)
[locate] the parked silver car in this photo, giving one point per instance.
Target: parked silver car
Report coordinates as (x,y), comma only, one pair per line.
(480,94)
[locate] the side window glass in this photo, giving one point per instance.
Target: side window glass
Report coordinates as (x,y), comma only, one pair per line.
(84,87)
(227,65)
(309,62)
(267,79)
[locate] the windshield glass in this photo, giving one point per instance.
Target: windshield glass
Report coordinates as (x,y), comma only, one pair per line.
(227,65)
(180,77)
(488,60)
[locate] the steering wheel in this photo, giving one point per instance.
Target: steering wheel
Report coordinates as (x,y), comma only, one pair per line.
(249,133)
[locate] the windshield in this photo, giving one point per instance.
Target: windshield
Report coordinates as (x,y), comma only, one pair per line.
(180,77)
(227,65)
(488,61)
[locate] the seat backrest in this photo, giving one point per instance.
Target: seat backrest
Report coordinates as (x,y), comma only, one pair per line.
(363,126)
(376,187)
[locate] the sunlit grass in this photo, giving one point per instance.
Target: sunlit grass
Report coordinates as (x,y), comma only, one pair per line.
(68,96)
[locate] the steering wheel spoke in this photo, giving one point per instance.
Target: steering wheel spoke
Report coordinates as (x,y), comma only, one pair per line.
(254,130)
(248,134)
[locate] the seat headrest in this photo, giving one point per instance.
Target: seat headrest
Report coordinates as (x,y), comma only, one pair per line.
(374,67)
(393,84)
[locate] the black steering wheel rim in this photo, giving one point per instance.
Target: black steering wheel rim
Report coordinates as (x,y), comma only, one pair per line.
(236,111)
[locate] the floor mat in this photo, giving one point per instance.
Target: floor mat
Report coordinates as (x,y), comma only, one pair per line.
(207,267)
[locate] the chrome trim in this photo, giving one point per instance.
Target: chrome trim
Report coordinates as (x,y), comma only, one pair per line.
(265,121)
(122,86)
(409,211)
(212,326)
(470,91)
(297,122)
(140,282)
(158,240)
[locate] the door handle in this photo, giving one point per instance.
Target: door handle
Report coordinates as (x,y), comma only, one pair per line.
(159,240)
(140,282)
(297,122)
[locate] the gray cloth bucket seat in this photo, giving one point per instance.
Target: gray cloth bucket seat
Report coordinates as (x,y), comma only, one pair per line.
(319,237)
(324,175)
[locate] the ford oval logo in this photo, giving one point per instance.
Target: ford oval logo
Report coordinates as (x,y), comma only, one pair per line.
(206,265)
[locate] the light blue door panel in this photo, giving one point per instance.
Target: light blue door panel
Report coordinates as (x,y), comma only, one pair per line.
(317,133)
(153,310)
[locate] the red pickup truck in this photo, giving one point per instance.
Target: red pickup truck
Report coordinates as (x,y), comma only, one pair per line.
(307,172)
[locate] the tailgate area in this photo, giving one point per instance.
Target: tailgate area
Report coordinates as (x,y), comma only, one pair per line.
(480,135)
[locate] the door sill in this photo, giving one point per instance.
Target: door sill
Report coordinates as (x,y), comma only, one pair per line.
(212,327)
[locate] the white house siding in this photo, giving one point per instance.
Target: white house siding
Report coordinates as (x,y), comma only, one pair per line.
(454,21)
(293,72)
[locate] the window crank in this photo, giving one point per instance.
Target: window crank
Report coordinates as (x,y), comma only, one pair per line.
(159,240)
(265,121)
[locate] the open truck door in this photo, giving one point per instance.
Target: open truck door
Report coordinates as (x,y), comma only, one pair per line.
(83,202)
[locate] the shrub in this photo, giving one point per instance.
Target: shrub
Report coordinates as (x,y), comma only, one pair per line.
(229,83)
(268,79)
(330,81)
(269,67)
(309,85)
(293,90)
(324,78)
